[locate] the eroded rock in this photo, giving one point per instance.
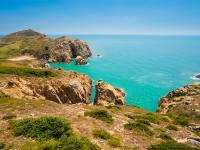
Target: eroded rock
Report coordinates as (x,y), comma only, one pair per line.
(185,100)
(107,94)
(60,90)
(80,61)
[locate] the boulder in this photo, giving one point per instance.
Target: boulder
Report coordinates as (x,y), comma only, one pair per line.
(198,76)
(80,61)
(107,94)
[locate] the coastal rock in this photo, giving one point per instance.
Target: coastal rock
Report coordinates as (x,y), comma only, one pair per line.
(183,100)
(65,49)
(80,60)
(198,76)
(68,90)
(107,94)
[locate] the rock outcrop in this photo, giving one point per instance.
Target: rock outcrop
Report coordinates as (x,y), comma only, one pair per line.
(65,49)
(107,94)
(198,76)
(183,100)
(61,90)
(61,49)
(80,61)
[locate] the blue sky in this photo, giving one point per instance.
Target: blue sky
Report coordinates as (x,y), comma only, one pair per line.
(101,16)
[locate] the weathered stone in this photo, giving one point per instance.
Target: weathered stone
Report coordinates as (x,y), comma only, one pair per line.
(62,90)
(183,100)
(107,94)
(80,60)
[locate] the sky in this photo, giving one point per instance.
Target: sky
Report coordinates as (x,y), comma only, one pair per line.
(151,17)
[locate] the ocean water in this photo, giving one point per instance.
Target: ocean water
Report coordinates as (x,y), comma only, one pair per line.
(146,67)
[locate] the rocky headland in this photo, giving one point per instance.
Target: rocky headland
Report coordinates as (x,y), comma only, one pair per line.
(29,42)
(184,100)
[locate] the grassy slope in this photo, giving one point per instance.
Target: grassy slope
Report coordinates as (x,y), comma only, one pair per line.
(84,125)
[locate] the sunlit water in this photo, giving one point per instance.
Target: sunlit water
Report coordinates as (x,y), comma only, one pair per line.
(146,67)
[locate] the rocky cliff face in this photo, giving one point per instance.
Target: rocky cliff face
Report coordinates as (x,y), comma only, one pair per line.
(183,100)
(71,90)
(107,94)
(65,49)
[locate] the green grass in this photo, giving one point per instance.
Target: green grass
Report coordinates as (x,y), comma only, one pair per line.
(44,128)
(139,128)
(115,107)
(197,131)
(69,143)
(9,116)
(172,127)
(2,145)
(24,71)
(181,121)
(171,145)
(50,133)
(75,143)
(143,122)
(150,117)
(166,137)
(114,142)
(102,115)
(102,134)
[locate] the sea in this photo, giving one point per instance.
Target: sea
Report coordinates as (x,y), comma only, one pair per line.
(145,67)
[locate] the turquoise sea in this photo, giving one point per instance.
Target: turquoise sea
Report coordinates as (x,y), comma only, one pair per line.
(146,67)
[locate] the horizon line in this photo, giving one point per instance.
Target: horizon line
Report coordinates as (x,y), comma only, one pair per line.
(111,34)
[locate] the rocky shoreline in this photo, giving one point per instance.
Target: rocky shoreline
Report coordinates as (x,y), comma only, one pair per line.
(33,81)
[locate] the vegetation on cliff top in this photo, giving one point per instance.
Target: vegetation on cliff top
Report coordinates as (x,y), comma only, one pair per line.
(25,71)
(102,115)
(51,133)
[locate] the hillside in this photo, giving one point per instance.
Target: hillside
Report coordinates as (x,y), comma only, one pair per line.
(29,42)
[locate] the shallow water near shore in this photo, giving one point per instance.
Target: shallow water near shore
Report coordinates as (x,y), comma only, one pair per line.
(146,67)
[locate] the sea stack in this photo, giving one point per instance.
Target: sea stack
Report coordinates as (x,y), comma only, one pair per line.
(80,61)
(107,94)
(198,76)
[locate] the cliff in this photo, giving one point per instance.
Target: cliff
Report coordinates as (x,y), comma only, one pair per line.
(69,88)
(29,42)
(185,100)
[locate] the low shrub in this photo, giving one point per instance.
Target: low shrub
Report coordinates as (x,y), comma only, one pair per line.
(166,137)
(181,121)
(102,115)
(143,121)
(9,116)
(114,142)
(100,133)
(152,118)
(116,107)
(172,127)
(170,145)
(44,128)
(74,143)
(139,127)
(2,145)
(10,84)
